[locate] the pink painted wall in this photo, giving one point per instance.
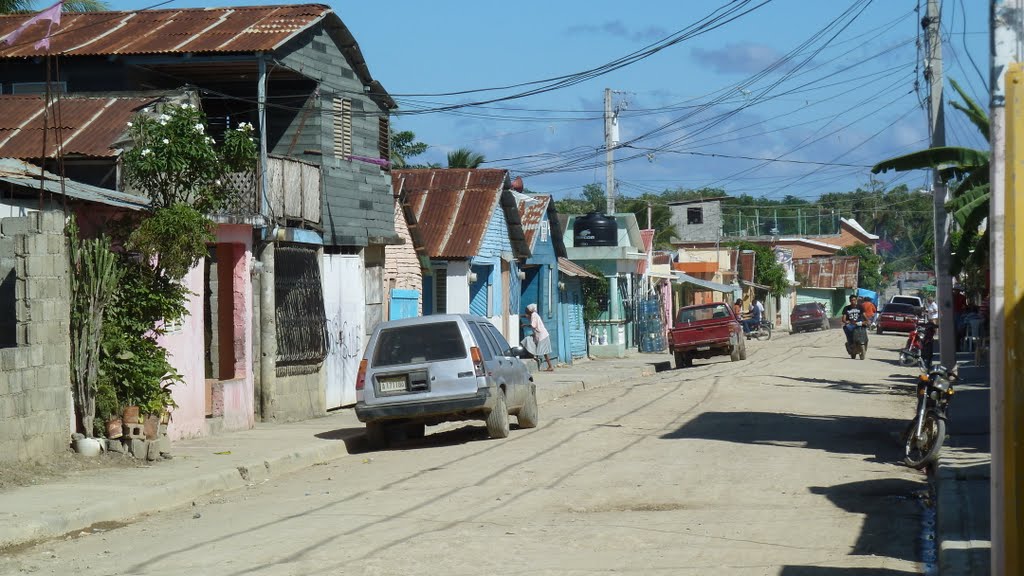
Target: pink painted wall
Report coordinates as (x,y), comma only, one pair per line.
(186,346)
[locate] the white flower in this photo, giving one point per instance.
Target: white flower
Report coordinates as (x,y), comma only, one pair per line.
(164,118)
(130,124)
(146,151)
(199,128)
(217,182)
(163,122)
(209,140)
(186,106)
(166,141)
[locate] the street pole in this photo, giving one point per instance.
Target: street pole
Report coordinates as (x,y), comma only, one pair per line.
(943,246)
(1007,37)
(609,152)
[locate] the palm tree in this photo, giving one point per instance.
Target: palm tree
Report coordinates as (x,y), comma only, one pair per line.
(465,158)
(966,172)
(21,6)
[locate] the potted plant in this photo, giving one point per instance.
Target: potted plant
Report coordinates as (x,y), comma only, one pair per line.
(109,410)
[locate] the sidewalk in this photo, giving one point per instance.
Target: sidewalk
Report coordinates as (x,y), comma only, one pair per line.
(962,478)
(235,460)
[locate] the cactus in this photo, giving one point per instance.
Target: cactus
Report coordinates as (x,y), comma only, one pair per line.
(94,275)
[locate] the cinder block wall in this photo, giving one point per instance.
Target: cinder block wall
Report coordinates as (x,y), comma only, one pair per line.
(35,388)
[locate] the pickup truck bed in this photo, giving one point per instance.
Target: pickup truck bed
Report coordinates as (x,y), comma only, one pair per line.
(705,331)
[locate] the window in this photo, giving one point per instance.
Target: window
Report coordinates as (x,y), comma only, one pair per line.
(481,341)
(342,114)
(419,343)
(441,291)
(301,319)
(544,232)
(695,215)
(499,340)
(384,138)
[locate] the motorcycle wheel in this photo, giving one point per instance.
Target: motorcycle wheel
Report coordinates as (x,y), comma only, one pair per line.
(768,332)
(920,454)
(906,359)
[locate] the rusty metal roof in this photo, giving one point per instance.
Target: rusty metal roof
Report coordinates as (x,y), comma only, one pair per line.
(531,213)
(87,125)
(570,268)
(29,178)
(831,272)
(189,30)
(450,208)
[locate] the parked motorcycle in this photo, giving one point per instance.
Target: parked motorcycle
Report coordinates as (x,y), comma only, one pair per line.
(859,346)
(927,431)
(919,344)
(762,331)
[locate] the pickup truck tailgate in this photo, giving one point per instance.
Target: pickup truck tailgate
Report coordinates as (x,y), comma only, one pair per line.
(688,336)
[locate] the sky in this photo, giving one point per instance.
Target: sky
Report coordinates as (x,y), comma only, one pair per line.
(825,89)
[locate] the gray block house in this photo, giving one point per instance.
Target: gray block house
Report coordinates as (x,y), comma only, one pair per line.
(322,207)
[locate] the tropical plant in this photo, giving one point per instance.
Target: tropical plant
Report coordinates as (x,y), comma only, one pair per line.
(22,6)
(595,294)
(403,147)
(966,172)
(94,277)
(767,270)
(465,158)
(870,271)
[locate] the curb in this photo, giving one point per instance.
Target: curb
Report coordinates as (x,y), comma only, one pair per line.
(959,552)
(182,492)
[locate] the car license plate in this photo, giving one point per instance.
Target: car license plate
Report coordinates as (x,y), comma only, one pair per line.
(898,318)
(391,384)
(703,348)
(805,316)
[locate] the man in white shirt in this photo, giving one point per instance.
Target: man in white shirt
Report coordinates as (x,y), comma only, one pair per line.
(933,311)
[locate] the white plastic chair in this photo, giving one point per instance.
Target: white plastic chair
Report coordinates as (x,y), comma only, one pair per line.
(973,335)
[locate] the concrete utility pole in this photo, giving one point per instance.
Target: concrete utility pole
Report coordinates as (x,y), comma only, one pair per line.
(1007,47)
(943,246)
(609,151)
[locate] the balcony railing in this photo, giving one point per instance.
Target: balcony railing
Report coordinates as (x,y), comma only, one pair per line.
(294,196)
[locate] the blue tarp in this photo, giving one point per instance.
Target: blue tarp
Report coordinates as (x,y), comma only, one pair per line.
(868,294)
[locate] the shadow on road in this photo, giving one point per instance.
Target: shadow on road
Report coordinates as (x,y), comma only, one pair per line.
(836,571)
(859,387)
(831,433)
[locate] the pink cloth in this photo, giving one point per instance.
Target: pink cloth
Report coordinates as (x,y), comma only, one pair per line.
(51,14)
(540,332)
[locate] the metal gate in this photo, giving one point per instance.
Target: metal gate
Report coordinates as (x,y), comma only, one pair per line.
(345,306)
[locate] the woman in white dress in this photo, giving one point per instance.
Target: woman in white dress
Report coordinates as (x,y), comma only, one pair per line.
(541,339)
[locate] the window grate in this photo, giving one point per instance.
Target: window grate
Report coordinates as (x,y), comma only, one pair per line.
(301,319)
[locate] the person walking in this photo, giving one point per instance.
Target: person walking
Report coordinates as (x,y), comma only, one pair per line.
(541,338)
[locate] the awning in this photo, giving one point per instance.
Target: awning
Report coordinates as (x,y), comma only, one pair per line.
(23,174)
(683,278)
(570,268)
(754,285)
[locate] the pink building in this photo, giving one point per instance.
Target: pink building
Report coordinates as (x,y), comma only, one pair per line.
(212,349)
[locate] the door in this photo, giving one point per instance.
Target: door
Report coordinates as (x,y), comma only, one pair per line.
(345,306)
(515,373)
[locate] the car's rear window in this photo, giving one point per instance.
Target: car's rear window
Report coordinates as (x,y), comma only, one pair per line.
(894,308)
(419,343)
(703,313)
(805,308)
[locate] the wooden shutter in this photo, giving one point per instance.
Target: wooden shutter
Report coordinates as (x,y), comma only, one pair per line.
(384,138)
(342,127)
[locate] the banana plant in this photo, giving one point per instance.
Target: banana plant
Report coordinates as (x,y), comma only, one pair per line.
(94,274)
(966,172)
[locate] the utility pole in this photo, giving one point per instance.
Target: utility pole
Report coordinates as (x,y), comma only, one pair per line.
(1006,506)
(937,131)
(609,152)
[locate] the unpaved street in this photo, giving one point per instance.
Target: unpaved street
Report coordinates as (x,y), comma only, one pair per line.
(783,464)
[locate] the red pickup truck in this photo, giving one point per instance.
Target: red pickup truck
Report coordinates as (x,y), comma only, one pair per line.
(706,330)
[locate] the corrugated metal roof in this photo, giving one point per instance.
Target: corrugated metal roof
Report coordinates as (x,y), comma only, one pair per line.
(570,268)
(450,208)
(88,125)
(191,30)
(831,272)
(24,174)
(531,214)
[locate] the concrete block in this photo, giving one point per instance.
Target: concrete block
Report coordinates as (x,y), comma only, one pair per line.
(56,244)
(8,359)
(37,355)
(138,448)
(14,226)
(152,450)
(51,222)
(20,288)
(21,335)
(115,445)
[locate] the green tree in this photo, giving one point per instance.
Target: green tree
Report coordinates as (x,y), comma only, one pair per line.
(22,6)
(870,274)
(465,158)
(966,172)
(405,146)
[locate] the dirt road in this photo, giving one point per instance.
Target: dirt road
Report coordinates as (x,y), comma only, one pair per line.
(783,464)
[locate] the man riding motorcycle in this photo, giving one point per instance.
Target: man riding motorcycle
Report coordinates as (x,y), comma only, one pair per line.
(852,313)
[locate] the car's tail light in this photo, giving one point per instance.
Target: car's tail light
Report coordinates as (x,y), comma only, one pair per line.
(478,361)
(361,377)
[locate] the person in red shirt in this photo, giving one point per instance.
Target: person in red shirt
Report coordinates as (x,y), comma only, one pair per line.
(869,308)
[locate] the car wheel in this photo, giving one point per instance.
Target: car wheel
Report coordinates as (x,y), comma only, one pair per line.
(794,330)
(879,330)
(680,358)
(743,350)
(376,435)
(527,417)
(735,354)
(497,420)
